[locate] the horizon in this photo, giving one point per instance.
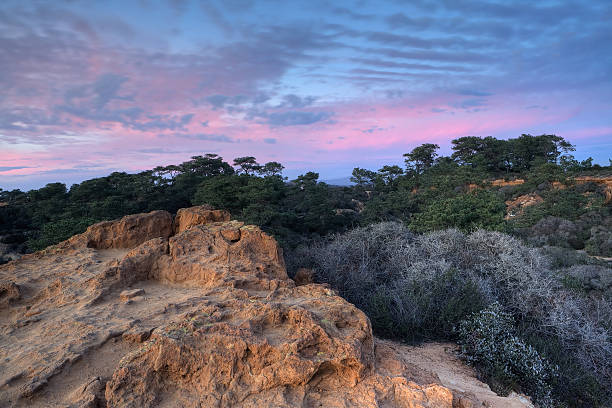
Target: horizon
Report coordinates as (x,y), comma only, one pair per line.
(126,86)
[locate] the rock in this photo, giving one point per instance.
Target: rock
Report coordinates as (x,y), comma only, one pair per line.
(517,206)
(9,292)
(128,232)
(189,217)
(605,182)
(88,395)
(506,183)
(304,276)
(129,294)
(222,325)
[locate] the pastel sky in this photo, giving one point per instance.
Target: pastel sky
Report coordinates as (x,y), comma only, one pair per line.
(91,87)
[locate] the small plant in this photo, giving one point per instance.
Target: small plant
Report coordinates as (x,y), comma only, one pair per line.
(489,342)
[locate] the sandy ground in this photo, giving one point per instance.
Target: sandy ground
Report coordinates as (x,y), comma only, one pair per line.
(441,359)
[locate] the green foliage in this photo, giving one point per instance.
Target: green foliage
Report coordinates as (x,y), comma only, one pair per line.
(363,177)
(566,203)
(421,157)
(572,384)
(512,155)
(57,231)
(468,212)
(248,165)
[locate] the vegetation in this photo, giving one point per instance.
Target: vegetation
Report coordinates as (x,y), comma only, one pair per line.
(524,323)
(488,339)
(428,251)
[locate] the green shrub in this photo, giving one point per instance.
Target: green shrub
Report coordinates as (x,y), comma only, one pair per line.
(488,341)
(467,212)
(56,231)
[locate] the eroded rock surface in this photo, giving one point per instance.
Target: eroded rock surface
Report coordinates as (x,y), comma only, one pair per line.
(192,312)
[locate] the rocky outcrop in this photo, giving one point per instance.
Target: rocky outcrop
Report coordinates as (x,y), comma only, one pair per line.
(192,312)
(128,232)
(606,182)
(517,206)
(189,217)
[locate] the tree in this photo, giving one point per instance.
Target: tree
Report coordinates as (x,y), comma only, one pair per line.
(363,177)
(527,150)
(516,155)
(390,173)
(248,165)
(271,169)
(421,157)
(486,153)
(208,165)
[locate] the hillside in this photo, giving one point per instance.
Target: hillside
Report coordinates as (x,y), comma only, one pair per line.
(199,311)
(529,186)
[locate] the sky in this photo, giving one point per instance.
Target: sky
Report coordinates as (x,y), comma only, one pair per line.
(92,87)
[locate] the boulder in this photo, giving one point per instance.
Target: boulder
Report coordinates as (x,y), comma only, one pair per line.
(189,217)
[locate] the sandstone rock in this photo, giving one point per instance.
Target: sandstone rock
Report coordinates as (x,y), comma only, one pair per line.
(517,206)
(606,182)
(189,217)
(504,183)
(130,294)
(9,292)
(130,231)
(222,325)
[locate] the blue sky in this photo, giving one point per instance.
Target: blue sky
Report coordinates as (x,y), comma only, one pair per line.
(94,87)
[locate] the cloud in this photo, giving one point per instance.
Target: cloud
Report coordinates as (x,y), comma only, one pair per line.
(221,101)
(297,118)
(9,168)
(343,11)
(472,92)
(212,137)
(158,150)
(297,102)
(163,122)
(469,103)
(92,101)
(81,81)
(269,140)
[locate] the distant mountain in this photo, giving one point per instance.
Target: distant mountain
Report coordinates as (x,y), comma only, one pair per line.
(342,181)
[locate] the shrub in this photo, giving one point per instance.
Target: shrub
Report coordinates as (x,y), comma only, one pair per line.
(489,341)
(419,287)
(56,231)
(600,242)
(555,231)
(467,212)
(564,257)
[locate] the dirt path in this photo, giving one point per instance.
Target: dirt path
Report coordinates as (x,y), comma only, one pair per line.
(441,360)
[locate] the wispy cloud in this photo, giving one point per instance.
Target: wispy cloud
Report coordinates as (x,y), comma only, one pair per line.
(105,86)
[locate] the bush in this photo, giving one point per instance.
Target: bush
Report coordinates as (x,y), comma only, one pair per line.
(564,257)
(56,231)
(432,281)
(488,340)
(600,242)
(555,231)
(467,212)
(422,287)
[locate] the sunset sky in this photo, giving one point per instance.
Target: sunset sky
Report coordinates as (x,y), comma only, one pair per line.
(91,87)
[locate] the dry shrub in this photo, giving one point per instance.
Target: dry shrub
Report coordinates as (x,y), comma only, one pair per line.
(418,287)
